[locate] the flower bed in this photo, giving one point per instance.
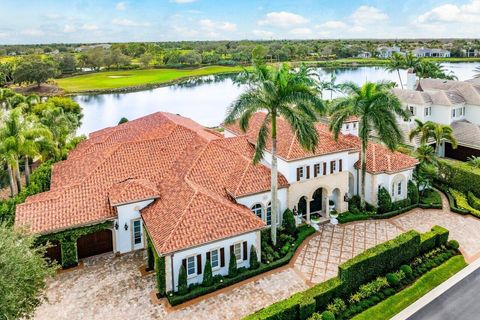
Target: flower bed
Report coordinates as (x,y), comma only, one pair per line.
(220,282)
(358,278)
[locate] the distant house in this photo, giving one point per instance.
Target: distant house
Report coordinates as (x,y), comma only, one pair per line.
(105,46)
(364,55)
(387,52)
(431,53)
(471,52)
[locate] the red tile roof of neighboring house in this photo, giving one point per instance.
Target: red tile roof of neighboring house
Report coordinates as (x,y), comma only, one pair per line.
(192,171)
(132,190)
(288,147)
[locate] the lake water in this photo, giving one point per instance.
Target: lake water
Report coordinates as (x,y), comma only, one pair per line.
(206,99)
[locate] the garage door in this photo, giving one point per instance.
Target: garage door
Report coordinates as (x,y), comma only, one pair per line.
(54,252)
(94,243)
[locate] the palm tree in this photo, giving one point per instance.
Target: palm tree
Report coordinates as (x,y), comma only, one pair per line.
(428,69)
(410,61)
(396,63)
(377,109)
(329,85)
(426,155)
(281,92)
(440,132)
(422,129)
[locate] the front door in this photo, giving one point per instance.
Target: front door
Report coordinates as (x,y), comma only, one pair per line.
(137,230)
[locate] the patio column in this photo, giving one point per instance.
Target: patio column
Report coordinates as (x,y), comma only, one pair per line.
(327,206)
(308,209)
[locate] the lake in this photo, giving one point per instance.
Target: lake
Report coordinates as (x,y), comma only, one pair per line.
(206,99)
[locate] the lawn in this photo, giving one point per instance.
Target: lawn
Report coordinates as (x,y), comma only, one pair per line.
(108,80)
(396,303)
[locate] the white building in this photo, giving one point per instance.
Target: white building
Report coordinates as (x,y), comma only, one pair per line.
(431,53)
(196,192)
(387,52)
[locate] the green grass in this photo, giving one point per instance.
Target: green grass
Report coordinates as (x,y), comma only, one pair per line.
(396,303)
(107,80)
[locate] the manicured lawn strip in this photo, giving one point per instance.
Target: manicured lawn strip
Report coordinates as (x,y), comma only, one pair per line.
(107,80)
(396,303)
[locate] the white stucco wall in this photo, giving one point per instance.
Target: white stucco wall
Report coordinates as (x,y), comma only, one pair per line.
(228,134)
(264,198)
(472,113)
(350,128)
(126,214)
(177,257)
(386,180)
(441,114)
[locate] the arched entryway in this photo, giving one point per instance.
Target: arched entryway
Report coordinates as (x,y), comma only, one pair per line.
(351,184)
(316,205)
(302,207)
(336,198)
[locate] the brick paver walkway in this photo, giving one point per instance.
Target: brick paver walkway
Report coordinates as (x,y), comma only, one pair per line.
(111,287)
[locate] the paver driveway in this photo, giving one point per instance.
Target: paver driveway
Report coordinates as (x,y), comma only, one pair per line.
(111,287)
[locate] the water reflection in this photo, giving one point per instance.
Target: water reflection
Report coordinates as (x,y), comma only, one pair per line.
(206,99)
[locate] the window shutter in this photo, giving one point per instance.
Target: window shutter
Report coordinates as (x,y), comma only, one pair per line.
(308,172)
(199,264)
(298,174)
(222,257)
(324,168)
(184,263)
(208,256)
(245,254)
(340,165)
(331,166)
(315,170)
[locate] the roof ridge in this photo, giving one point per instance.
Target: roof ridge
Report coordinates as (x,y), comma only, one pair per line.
(242,177)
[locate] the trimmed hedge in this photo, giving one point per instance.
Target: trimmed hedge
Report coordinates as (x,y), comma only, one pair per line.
(456,174)
(473,201)
(451,199)
(462,202)
(303,232)
(394,213)
(380,259)
(428,241)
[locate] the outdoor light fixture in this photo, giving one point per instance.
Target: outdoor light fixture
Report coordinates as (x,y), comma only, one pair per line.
(116,225)
(125,226)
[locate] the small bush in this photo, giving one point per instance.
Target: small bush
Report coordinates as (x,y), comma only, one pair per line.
(207,274)
(453,244)
(412,192)
(232,266)
(354,203)
(393,279)
(473,200)
(337,306)
(288,223)
(462,202)
(182,280)
(407,270)
(384,200)
(315,316)
(327,315)
(254,263)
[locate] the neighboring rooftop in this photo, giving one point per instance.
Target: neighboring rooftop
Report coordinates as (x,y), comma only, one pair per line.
(191,172)
(466,133)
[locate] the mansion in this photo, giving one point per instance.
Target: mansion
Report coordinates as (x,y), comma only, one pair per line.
(195,193)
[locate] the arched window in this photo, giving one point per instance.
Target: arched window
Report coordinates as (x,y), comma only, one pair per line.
(258,210)
(269,214)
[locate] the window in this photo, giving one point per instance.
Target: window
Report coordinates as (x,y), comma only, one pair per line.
(258,210)
(399,189)
(463,110)
(269,214)
(316,170)
(428,111)
(453,113)
(412,110)
(137,232)
(333,166)
(354,125)
(300,173)
(215,258)
(191,266)
(237,249)
(348,126)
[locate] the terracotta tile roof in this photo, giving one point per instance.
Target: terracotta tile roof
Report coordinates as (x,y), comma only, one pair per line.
(132,190)
(193,171)
(381,160)
(288,147)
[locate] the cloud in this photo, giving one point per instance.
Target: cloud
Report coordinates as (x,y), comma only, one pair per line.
(120,6)
(68,29)
(182,1)
(89,27)
(33,32)
(334,24)
(368,15)
(263,33)
(129,23)
(53,16)
(469,12)
(282,19)
(209,25)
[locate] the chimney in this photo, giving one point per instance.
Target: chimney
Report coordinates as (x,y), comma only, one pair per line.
(411,79)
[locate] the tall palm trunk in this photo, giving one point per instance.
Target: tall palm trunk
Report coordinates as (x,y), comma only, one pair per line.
(17,177)
(400,78)
(27,172)
(274,185)
(363,162)
(13,187)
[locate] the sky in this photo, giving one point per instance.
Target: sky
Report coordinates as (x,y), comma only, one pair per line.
(85,21)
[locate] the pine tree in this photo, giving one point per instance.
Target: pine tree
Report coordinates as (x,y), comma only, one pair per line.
(254,264)
(207,274)
(182,280)
(232,266)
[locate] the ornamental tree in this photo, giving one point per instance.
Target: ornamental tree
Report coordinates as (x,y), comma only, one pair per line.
(254,264)
(23,275)
(232,265)
(182,280)
(384,201)
(207,274)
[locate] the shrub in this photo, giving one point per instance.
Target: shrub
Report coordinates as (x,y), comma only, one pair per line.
(380,259)
(288,223)
(428,241)
(354,203)
(412,191)
(207,274)
(182,280)
(453,244)
(393,279)
(285,238)
(400,204)
(327,315)
(160,274)
(232,265)
(315,316)
(473,201)
(455,174)
(442,235)
(384,200)
(254,263)
(337,306)
(407,270)
(462,202)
